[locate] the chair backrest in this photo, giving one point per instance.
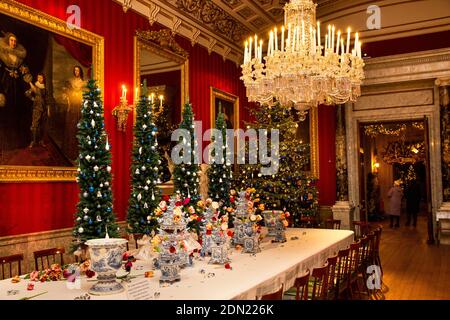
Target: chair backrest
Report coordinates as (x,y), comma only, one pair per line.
(363,250)
(363,228)
(301,284)
(371,246)
(320,283)
(377,232)
(354,256)
(332,266)
(333,224)
(9,261)
(45,255)
(343,265)
(308,222)
(274,296)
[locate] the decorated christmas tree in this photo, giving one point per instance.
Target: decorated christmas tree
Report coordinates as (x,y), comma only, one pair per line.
(145,194)
(187,170)
(219,172)
(95,213)
(291,189)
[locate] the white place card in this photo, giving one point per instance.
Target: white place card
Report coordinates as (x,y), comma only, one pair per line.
(139,289)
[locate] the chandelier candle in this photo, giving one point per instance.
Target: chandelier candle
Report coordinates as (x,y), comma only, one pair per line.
(298,72)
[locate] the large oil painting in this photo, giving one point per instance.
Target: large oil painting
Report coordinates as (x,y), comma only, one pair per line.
(43,73)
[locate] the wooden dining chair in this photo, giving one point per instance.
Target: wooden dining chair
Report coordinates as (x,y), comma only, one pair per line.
(353,269)
(308,222)
(331,281)
(363,228)
(274,296)
(342,273)
(301,286)
(333,224)
(48,255)
(319,283)
(10,261)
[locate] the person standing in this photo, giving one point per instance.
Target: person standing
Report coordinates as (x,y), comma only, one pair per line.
(38,94)
(412,195)
(395,195)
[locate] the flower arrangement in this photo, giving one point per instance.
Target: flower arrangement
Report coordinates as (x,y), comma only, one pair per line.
(58,273)
(254,207)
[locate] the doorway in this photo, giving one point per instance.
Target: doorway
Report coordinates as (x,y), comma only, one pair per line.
(395,151)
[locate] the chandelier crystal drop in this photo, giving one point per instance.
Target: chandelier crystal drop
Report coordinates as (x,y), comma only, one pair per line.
(299,69)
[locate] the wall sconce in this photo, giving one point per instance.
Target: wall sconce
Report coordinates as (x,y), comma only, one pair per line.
(121,111)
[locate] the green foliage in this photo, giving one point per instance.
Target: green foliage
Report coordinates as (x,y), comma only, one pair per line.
(220,174)
(186,175)
(145,194)
(95,207)
(291,188)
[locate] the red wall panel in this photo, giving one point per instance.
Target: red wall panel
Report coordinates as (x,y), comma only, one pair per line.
(33,207)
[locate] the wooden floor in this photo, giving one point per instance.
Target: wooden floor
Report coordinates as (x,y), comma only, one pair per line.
(412,268)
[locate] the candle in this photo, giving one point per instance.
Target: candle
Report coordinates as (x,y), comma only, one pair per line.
(348,40)
(314,49)
(270,44)
(153,97)
(260,50)
(303,32)
(293,39)
(250,49)
(289,36)
(297,44)
(342,46)
(124,92)
(256,46)
(338,41)
(329,37)
(356,42)
(161,99)
(326,43)
(318,34)
(332,39)
(276,39)
(246,52)
(359,49)
(282,38)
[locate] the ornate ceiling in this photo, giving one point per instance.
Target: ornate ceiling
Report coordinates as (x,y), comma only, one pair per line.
(222,25)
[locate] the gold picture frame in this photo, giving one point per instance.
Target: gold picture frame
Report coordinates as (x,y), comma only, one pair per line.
(228,97)
(163,44)
(47,22)
(314,142)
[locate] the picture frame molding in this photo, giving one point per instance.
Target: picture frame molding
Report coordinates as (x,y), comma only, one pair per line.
(37,18)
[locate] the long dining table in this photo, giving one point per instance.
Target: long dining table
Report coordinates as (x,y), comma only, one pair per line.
(249,277)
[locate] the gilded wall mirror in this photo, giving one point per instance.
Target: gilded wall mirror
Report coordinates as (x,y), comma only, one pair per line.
(307,133)
(161,61)
(41,56)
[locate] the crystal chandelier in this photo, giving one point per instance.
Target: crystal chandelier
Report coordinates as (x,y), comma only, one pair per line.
(299,70)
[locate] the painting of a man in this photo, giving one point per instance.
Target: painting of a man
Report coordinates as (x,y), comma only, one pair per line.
(38,94)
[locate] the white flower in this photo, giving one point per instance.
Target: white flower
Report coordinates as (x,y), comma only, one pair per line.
(163,204)
(224,226)
(253,218)
(215,205)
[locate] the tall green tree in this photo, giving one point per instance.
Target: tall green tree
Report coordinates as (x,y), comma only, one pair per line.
(292,188)
(186,174)
(219,172)
(94,214)
(145,194)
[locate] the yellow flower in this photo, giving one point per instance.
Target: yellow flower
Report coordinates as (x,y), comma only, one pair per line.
(200,203)
(256,200)
(261,206)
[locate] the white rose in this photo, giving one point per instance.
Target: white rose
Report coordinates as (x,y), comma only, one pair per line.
(215,205)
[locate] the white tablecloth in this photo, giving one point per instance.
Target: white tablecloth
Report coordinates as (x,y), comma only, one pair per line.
(251,275)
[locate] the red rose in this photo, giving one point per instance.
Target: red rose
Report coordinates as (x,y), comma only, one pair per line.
(125,256)
(230,233)
(166,198)
(90,273)
(232,199)
(178,203)
(228,266)
(128,266)
(214,219)
(186,201)
(30,286)
(208,232)
(172,249)
(199,218)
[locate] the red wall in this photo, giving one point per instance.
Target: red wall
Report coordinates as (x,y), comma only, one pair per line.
(33,207)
